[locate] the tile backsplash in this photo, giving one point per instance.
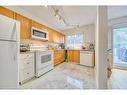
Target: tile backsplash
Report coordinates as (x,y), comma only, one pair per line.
(33,42)
(38,43)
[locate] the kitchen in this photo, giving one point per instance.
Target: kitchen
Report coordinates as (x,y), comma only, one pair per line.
(58,55)
(34,50)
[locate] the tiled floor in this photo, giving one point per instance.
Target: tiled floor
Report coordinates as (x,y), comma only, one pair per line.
(65,76)
(72,76)
(118,79)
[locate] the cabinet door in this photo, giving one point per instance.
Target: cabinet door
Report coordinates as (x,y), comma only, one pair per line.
(7,12)
(63,55)
(63,39)
(54,36)
(55,57)
(76,57)
(50,31)
(58,37)
(25,29)
(70,55)
(38,25)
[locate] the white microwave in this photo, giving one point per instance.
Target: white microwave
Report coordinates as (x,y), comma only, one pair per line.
(39,34)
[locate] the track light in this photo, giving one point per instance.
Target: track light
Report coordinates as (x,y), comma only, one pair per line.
(62,20)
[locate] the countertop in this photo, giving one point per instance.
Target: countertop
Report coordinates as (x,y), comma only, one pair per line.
(27,52)
(33,51)
(81,50)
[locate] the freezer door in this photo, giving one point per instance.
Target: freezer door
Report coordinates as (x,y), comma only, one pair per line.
(8,65)
(8,28)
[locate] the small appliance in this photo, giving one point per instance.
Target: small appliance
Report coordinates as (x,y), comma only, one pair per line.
(39,34)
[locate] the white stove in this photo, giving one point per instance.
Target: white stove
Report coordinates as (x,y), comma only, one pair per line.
(43,59)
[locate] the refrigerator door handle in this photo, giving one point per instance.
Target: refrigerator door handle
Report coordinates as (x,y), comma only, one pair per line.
(14,56)
(14,52)
(13,31)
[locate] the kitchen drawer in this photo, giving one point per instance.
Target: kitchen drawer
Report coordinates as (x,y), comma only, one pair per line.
(26,74)
(27,56)
(26,60)
(26,63)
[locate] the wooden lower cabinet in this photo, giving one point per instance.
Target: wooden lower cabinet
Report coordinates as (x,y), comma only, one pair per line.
(59,56)
(74,56)
(70,55)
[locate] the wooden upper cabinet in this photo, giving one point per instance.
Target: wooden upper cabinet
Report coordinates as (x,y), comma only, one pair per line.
(55,36)
(38,25)
(25,26)
(58,37)
(7,12)
(50,31)
(62,38)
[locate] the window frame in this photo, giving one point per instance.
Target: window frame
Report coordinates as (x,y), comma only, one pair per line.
(73,47)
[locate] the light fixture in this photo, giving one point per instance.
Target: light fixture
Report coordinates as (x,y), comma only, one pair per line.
(61,19)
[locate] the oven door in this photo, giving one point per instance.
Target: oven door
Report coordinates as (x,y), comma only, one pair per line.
(44,62)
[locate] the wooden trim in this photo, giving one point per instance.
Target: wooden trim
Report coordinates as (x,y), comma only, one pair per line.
(6,12)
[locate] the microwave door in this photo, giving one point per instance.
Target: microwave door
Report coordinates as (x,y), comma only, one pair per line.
(39,34)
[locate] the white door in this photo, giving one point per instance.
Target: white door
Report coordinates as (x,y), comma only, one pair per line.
(8,64)
(120,47)
(8,28)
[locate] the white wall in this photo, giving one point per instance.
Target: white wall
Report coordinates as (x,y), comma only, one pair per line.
(88,31)
(101,46)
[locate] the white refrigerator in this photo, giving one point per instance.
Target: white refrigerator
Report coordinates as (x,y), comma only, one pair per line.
(9,52)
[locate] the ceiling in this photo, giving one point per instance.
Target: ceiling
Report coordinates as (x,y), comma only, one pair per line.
(81,15)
